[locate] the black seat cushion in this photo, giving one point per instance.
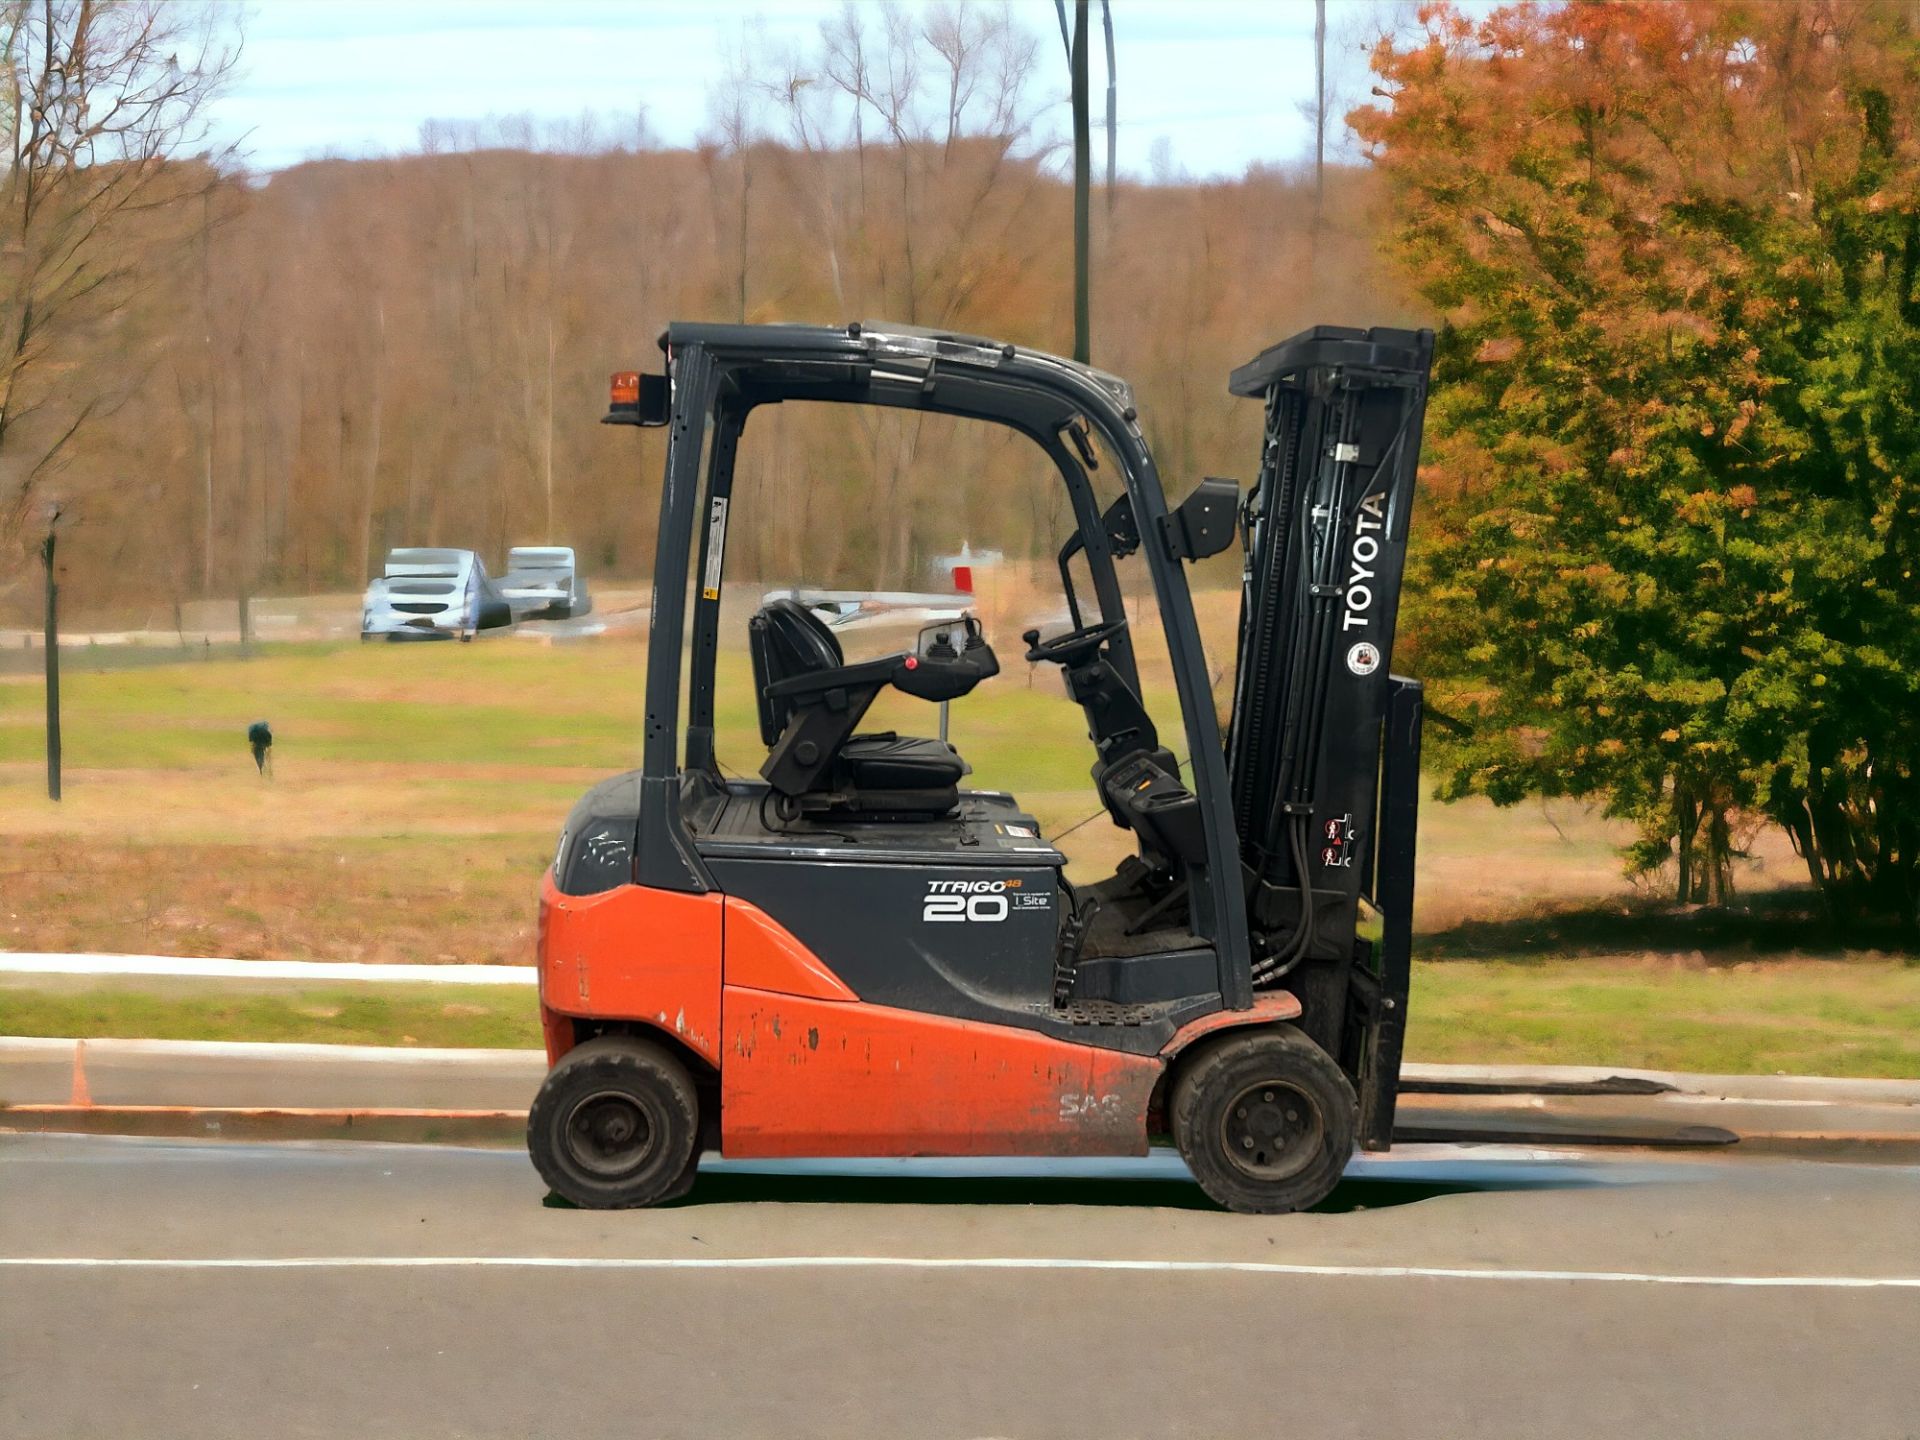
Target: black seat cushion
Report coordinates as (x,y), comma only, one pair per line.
(900,762)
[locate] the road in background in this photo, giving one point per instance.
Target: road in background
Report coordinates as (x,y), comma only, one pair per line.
(1557,1317)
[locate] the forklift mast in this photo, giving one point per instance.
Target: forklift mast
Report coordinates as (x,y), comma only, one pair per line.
(1323,741)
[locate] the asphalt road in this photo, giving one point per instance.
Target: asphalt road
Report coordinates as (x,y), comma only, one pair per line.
(1444,1293)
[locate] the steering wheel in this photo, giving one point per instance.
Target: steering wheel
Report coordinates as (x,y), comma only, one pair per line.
(1074,646)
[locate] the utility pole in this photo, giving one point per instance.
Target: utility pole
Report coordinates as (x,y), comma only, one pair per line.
(1113,103)
(1319,105)
(1082,167)
(53,660)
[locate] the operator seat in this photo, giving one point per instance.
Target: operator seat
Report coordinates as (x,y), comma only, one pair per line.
(811,700)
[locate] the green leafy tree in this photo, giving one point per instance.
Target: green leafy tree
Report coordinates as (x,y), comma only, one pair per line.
(1673,486)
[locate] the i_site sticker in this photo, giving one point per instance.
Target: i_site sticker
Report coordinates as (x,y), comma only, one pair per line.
(1364,658)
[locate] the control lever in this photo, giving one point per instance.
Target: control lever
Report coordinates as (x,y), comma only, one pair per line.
(1072,647)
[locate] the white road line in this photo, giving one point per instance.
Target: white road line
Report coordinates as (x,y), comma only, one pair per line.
(908,1262)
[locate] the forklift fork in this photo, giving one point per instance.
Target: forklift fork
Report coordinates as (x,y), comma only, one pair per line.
(1381,993)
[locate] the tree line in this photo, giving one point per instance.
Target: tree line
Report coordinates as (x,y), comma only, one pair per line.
(351,355)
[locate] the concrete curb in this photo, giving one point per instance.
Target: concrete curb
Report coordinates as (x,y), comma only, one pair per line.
(1808,1089)
(508,1128)
(254,1090)
(1778,1090)
(205,1074)
(292,1051)
(204,1122)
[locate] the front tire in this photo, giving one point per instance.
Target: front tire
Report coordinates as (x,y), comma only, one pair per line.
(1265,1121)
(616,1125)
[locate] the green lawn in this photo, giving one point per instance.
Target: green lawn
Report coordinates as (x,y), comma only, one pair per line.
(1857,1017)
(328,703)
(464,1016)
(499,702)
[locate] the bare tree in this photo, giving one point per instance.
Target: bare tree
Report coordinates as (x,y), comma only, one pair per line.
(954,122)
(103,97)
(932,109)
(537,244)
(198,371)
(733,117)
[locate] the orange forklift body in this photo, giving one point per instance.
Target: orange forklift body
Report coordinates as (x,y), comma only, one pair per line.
(808,1069)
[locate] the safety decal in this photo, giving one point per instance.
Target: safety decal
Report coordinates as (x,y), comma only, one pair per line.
(1363,658)
(716,548)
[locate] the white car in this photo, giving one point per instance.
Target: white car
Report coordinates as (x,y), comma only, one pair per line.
(432,594)
(543,582)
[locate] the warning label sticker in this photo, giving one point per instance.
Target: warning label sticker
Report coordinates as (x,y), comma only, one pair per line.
(716,549)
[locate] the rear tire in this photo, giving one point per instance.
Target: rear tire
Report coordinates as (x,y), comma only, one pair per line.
(616,1125)
(1265,1121)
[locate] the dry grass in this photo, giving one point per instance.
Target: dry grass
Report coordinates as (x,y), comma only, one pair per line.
(413,899)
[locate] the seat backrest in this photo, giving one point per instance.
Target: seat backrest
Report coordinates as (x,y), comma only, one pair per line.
(787,639)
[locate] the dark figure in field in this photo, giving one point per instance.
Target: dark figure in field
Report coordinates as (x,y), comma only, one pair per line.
(260,737)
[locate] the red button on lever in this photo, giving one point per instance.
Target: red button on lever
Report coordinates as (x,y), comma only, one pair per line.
(913,662)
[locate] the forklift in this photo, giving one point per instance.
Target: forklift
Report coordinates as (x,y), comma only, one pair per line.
(854,954)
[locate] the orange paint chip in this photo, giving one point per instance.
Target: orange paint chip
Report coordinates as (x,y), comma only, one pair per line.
(81,1096)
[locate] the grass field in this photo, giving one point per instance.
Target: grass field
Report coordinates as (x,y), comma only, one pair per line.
(474,1016)
(419,789)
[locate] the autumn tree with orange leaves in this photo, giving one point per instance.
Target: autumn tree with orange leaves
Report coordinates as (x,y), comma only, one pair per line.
(1673,483)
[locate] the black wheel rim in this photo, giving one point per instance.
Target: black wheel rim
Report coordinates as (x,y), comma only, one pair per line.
(608,1134)
(1272,1130)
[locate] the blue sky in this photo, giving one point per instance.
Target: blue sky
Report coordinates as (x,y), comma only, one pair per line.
(1222,80)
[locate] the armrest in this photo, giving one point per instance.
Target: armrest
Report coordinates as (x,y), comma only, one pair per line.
(939,670)
(877,673)
(945,679)
(922,679)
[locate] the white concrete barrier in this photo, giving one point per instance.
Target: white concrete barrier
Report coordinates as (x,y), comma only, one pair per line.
(19,962)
